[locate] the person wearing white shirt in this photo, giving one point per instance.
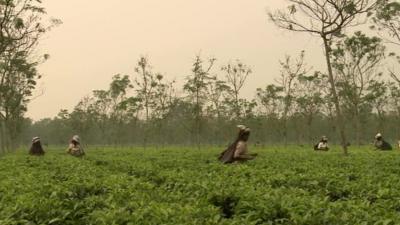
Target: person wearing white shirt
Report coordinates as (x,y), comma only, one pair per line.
(322,144)
(238,151)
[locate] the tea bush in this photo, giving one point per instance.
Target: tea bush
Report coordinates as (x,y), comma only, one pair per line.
(186,186)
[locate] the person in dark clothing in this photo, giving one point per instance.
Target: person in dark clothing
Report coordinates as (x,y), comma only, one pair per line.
(322,145)
(381,144)
(237,151)
(36,147)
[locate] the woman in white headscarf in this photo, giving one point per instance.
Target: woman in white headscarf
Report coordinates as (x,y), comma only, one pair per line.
(322,145)
(75,147)
(238,151)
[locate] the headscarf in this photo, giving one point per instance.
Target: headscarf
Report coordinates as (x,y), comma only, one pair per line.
(35,139)
(76,138)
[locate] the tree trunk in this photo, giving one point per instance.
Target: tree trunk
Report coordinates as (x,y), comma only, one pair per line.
(2,137)
(309,128)
(339,115)
(285,133)
(285,123)
(398,121)
(358,126)
(198,120)
(145,133)
(381,120)
(238,114)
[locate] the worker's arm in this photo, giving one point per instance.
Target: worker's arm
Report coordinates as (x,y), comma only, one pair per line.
(69,148)
(244,157)
(241,152)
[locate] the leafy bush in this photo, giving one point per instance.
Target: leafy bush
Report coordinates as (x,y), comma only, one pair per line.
(184,186)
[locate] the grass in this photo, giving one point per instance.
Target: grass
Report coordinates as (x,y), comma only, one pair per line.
(186,186)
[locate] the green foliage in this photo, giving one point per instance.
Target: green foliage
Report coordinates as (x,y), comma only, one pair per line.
(388,10)
(184,186)
(356,61)
(270,98)
(22,26)
(386,19)
(196,88)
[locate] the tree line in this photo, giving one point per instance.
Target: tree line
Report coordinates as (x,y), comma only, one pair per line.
(356,97)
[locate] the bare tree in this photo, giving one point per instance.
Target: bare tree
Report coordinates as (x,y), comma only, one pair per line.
(145,86)
(236,76)
(326,19)
(289,72)
(196,89)
(218,94)
(164,99)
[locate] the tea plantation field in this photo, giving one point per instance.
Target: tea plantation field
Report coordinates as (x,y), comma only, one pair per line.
(186,186)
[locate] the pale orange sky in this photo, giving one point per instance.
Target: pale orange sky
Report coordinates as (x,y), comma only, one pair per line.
(100,38)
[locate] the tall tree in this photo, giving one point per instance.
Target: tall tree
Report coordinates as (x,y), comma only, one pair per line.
(218,108)
(378,99)
(270,100)
(236,75)
(21,27)
(18,80)
(118,91)
(325,19)
(146,82)
(393,101)
(82,119)
(164,99)
(218,92)
(101,109)
(196,89)
(309,99)
(289,72)
(356,61)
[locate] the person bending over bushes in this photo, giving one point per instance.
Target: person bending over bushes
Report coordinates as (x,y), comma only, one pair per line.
(75,148)
(381,144)
(322,145)
(36,147)
(237,151)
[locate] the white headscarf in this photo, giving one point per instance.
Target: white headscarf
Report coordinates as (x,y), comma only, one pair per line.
(243,127)
(76,138)
(35,139)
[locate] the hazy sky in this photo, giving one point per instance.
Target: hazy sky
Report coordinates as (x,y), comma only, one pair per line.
(100,38)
